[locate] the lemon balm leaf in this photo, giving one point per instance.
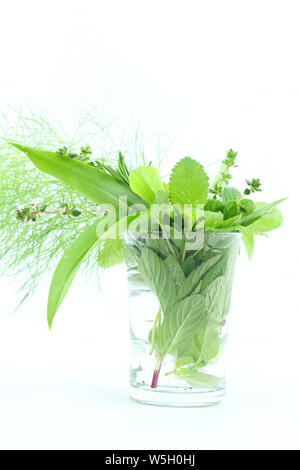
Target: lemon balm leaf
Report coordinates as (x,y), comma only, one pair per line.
(188,183)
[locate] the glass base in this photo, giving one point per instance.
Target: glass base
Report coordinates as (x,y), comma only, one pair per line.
(177,396)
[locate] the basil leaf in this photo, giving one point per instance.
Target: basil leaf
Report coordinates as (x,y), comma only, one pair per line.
(230,194)
(145,182)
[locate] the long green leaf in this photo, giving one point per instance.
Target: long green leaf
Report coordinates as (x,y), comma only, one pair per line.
(111,254)
(262,210)
(85,179)
(68,267)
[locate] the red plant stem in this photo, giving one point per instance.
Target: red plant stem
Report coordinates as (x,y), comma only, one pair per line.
(156,373)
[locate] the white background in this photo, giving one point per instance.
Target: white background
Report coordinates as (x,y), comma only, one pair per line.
(211,75)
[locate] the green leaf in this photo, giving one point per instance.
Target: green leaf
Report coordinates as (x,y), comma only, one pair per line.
(213,205)
(162,197)
(230,222)
(183,361)
(176,270)
(230,210)
(162,247)
(214,293)
(111,254)
(145,181)
(247,206)
(270,221)
(91,182)
(208,343)
(157,276)
(248,240)
(230,194)
(68,267)
(196,378)
(69,264)
(181,322)
(213,219)
(259,212)
(192,281)
(217,270)
(188,265)
(188,183)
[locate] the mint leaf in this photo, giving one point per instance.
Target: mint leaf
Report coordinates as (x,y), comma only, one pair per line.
(162,247)
(188,265)
(217,270)
(145,182)
(111,254)
(192,281)
(188,183)
(208,343)
(181,322)
(156,275)
(176,270)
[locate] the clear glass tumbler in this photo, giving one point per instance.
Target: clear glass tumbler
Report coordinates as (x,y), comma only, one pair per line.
(179,303)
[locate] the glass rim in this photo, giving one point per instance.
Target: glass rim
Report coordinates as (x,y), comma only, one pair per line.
(239,234)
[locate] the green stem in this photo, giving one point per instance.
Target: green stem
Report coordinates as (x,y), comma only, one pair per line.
(157,319)
(171,248)
(239,201)
(184,252)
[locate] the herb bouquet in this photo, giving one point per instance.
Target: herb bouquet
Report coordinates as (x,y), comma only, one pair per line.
(179,241)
